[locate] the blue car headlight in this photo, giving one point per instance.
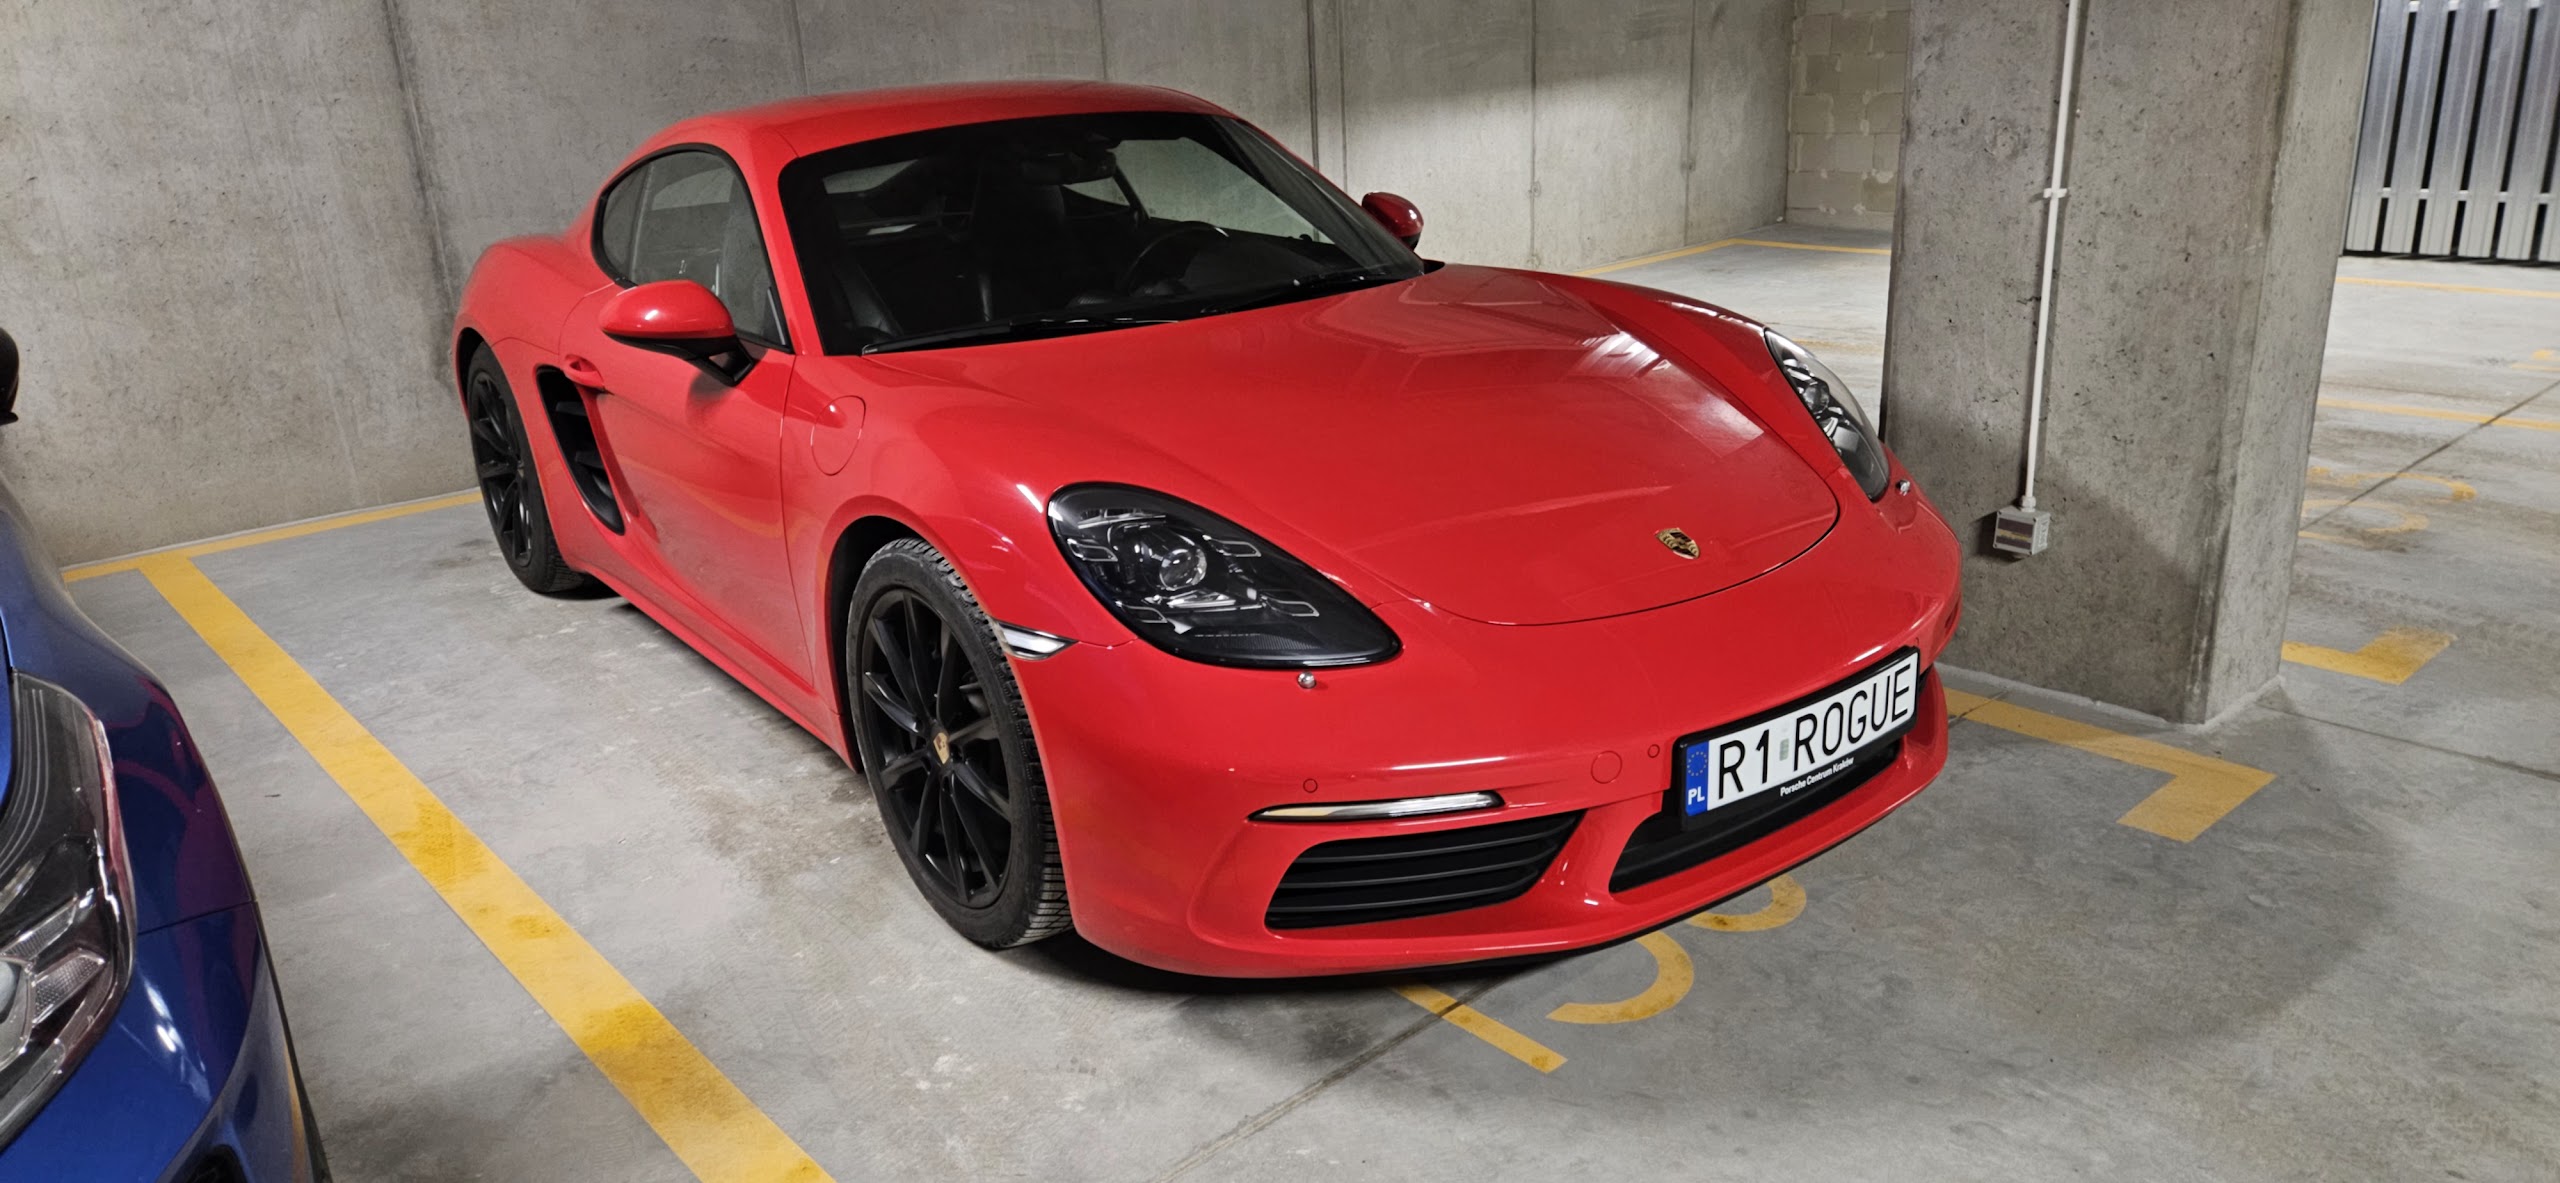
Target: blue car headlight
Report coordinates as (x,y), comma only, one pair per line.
(66,898)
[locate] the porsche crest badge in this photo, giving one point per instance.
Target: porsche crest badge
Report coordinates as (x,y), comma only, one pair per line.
(1679,542)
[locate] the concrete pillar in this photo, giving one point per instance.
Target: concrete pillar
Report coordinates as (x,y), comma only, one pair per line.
(2208,194)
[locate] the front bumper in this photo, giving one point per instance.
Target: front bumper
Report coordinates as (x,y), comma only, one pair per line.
(194,1075)
(1155,764)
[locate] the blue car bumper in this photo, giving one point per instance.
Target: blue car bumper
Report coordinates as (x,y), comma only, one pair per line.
(194,1082)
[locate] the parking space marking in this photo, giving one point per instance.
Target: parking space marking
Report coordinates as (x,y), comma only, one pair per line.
(211,546)
(1786,902)
(1483,1026)
(1663,257)
(1809,246)
(712,1126)
(2389,658)
(2498,420)
(2367,489)
(1672,977)
(2201,789)
(1721,243)
(2404,520)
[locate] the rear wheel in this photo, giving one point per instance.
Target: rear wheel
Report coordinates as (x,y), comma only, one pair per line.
(510,489)
(946,747)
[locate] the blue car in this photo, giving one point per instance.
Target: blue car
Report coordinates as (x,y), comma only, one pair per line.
(141,1035)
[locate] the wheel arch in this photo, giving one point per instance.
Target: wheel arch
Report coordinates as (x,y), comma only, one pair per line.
(465,343)
(860,539)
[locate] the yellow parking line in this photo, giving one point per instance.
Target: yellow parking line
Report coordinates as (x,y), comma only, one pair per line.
(1786,902)
(1721,243)
(1672,976)
(2200,791)
(272,534)
(2450,416)
(1809,246)
(2449,287)
(703,1117)
(1664,257)
(1483,1026)
(2389,658)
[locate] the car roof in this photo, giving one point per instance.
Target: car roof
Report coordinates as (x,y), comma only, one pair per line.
(819,122)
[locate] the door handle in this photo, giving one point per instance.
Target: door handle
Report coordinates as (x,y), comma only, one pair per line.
(582,371)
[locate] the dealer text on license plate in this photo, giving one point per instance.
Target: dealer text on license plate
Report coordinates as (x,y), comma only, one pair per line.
(1798,748)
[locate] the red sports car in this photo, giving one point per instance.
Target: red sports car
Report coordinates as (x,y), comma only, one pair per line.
(1186,561)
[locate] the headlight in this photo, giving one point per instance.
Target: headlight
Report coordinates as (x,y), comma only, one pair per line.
(1835,411)
(1199,586)
(66,898)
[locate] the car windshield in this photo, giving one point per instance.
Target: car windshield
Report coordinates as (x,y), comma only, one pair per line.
(1075,223)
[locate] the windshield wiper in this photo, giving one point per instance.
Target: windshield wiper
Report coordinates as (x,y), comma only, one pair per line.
(1043,325)
(1307,287)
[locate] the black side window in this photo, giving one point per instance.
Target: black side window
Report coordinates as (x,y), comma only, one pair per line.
(615,221)
(686,215)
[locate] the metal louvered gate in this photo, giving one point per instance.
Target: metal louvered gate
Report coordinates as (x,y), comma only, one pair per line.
(2460,108)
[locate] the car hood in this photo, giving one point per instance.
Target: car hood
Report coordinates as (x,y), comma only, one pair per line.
(1475,438)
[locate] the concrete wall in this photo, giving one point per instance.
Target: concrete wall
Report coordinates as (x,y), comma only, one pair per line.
(1845,111)
(244,221)
(2208,187)
(1738,94)
(223,290)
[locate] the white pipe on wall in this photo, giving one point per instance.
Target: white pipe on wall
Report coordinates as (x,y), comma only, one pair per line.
(2054,192)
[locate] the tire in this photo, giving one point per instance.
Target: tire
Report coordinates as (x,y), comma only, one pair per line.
(946,747)
(510,486)
(311,1131)
(311,1144)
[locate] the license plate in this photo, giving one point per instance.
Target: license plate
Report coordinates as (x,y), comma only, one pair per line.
(1798,746)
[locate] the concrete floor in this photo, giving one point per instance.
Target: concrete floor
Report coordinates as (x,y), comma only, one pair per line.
(2349,976)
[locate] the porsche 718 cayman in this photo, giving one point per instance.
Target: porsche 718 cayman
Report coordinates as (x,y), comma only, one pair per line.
(1183,559)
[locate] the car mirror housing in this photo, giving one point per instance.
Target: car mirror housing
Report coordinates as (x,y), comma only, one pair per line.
(680,318)
(1399,216)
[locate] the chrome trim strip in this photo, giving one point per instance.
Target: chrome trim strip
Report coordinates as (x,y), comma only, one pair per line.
(1357,811)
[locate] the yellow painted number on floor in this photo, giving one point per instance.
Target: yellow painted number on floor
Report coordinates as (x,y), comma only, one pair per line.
(1786,902)
(1483,1026)
(1672,976)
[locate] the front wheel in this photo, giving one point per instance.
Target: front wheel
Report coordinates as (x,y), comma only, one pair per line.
(509,487)
(946,747)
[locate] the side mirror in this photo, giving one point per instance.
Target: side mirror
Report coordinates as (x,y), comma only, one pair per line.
(680,318)
(1397,215)
(8,378)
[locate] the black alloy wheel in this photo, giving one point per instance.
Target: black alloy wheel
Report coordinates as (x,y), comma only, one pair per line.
(942,783)
(946,748)
(501,466)
(510,485)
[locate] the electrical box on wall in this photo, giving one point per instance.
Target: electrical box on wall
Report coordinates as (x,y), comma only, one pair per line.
(2018,533)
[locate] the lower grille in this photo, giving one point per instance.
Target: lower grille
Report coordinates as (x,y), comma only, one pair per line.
(1363,880)
(1661,846)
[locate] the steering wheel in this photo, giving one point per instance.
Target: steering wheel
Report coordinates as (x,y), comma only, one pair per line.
(1138,262)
